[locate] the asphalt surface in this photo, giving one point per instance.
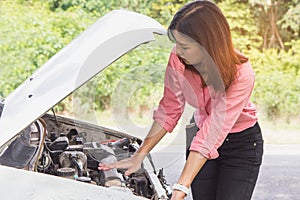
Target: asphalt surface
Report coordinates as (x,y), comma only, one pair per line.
(279,178)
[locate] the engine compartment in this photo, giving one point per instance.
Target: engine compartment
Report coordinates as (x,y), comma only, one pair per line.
(73,149)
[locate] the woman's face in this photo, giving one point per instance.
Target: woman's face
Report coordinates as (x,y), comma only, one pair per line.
(192,53)
(188,49)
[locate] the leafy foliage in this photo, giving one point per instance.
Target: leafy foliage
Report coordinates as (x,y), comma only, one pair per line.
(277,85)
(29,39)
(32,31)
(290,21)
(242,25)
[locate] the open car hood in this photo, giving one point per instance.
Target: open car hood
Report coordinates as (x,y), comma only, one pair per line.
(92,51)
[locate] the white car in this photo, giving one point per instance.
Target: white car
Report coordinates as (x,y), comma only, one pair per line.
(44,156)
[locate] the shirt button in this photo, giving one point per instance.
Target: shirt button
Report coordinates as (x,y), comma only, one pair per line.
(227,139)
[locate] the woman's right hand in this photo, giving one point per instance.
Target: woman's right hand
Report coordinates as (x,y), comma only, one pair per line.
(132,164)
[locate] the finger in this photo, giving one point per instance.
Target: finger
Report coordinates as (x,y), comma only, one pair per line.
(130,171)
(103,167)
(127,173)
(123,164)
(120,164)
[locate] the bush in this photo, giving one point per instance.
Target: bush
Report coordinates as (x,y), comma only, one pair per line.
(277,87)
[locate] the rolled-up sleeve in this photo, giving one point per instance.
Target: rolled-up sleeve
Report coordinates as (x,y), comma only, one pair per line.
(226,108)
(172,104)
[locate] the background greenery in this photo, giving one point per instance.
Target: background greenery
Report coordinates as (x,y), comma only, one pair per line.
(268,32)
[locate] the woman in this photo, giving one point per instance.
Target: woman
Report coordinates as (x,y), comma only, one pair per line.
(205,70)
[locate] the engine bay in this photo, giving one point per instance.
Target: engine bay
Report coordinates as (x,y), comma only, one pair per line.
(73,149)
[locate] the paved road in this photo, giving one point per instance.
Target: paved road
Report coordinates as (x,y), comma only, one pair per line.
(280,174)
(279,178)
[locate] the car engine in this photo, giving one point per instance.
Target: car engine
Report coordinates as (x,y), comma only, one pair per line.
(73,149)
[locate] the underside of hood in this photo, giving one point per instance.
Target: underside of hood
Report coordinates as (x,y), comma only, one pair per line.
(92,51)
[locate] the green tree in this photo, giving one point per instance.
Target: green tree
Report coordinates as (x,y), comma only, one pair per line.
(242,24)
(32,31)
(278,21)
(29,39)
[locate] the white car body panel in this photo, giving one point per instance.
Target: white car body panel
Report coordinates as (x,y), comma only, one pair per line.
(19,184)
(96,48)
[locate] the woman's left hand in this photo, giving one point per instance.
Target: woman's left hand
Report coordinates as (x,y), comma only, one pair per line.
(177,195)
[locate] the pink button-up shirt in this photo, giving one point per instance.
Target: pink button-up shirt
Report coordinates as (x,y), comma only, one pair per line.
(216,114)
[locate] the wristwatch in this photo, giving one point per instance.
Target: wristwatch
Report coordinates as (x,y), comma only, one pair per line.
(181,188)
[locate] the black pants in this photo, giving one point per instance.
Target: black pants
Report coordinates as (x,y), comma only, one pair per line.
(233,175)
